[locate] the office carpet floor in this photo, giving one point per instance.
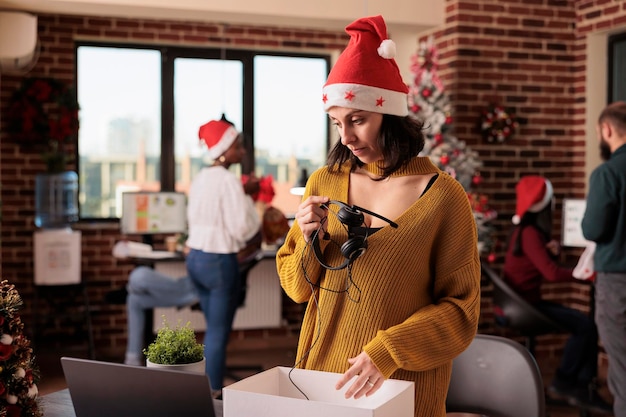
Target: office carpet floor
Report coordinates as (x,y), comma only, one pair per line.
(243,362)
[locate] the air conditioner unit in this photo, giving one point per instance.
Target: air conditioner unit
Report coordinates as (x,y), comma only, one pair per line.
(18,41)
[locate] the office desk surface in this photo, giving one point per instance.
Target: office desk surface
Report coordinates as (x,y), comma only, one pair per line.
(59,404)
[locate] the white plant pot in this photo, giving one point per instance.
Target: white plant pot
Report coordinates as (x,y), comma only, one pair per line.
(197,367)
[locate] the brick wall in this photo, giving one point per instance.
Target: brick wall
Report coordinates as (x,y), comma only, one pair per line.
(19,164)
(529,55)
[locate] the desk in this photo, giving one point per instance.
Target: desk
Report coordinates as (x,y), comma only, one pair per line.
(263,303)
(59,404)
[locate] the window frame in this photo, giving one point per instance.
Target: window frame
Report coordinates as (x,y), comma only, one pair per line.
(169,53)
(613,42)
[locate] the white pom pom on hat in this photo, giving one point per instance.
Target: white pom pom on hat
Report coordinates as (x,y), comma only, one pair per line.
(387,49)
(534,193)
(366,76)
(218,135)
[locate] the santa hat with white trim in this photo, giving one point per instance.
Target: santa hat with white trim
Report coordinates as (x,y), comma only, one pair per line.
(218,135)
(365,76)
(534,193)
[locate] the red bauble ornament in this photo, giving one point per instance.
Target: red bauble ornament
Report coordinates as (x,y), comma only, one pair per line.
(477,179)
(491,258)
(444,159)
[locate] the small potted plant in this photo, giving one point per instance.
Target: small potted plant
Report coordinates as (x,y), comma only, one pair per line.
(176,348)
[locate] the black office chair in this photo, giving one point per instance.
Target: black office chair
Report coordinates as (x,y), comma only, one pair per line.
(513,312)
(497,377)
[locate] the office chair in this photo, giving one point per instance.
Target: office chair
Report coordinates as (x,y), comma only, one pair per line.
(497,377)
(513,312)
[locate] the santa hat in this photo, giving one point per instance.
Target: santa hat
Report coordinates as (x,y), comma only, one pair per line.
(365,76)
(218,135)
(534,193)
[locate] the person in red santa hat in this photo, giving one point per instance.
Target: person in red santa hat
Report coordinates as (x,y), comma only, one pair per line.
(531,260)
(221,218)
(409,304)
(223,227)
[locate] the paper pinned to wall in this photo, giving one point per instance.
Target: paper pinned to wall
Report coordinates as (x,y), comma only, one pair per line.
(57,257)
(573,212)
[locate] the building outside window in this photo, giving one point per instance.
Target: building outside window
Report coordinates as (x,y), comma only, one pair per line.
(141,108)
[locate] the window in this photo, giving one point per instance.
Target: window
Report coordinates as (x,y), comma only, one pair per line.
(120,118)
(617,67)
(289,122)
(141,108)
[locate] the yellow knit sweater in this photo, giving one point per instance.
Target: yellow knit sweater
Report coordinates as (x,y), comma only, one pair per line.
(414,300)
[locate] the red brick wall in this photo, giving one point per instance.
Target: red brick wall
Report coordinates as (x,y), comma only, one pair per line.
(19,165)
(528,55)
(519,55)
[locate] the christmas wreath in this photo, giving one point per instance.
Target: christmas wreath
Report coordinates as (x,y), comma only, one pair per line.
(18,373)
(497,124)
(44,112)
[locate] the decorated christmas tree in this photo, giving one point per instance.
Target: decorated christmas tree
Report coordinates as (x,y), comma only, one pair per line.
(18,374)
(429,102)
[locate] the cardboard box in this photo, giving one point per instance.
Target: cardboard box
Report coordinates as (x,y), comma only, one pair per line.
(272,394)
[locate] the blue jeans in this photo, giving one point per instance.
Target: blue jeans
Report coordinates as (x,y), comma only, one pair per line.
(216,278)
(148,289)
(611,319)
(579,363)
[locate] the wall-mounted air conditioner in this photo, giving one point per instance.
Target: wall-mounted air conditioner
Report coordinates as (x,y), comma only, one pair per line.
(18,41)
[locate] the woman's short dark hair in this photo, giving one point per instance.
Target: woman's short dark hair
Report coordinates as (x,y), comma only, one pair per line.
(401,138)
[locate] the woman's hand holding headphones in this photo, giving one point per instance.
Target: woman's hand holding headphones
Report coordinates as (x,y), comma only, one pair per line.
(311,216)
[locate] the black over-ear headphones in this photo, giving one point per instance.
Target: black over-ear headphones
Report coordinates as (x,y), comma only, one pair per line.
(356,245)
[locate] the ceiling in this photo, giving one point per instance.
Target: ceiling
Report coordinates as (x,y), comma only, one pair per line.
(402,15)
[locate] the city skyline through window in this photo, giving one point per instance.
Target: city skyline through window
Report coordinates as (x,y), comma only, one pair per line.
(141,109)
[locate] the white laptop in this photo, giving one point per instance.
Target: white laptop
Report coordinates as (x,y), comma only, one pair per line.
(106,389)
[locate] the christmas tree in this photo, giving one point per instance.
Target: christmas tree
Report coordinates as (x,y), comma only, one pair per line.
(429,102)
(18,374)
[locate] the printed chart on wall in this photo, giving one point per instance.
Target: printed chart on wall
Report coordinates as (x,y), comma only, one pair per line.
(573,212)
(153,212)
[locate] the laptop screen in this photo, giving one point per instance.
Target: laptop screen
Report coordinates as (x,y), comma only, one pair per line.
(105,389)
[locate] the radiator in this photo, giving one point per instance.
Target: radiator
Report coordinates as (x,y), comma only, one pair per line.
(263,305)
(262,308)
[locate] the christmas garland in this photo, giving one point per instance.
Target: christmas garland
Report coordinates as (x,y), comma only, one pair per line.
(498,124)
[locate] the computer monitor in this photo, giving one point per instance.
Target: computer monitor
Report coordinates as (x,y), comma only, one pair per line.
(153,212)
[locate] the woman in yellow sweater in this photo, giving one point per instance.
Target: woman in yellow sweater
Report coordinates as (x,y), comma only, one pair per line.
(408,304)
